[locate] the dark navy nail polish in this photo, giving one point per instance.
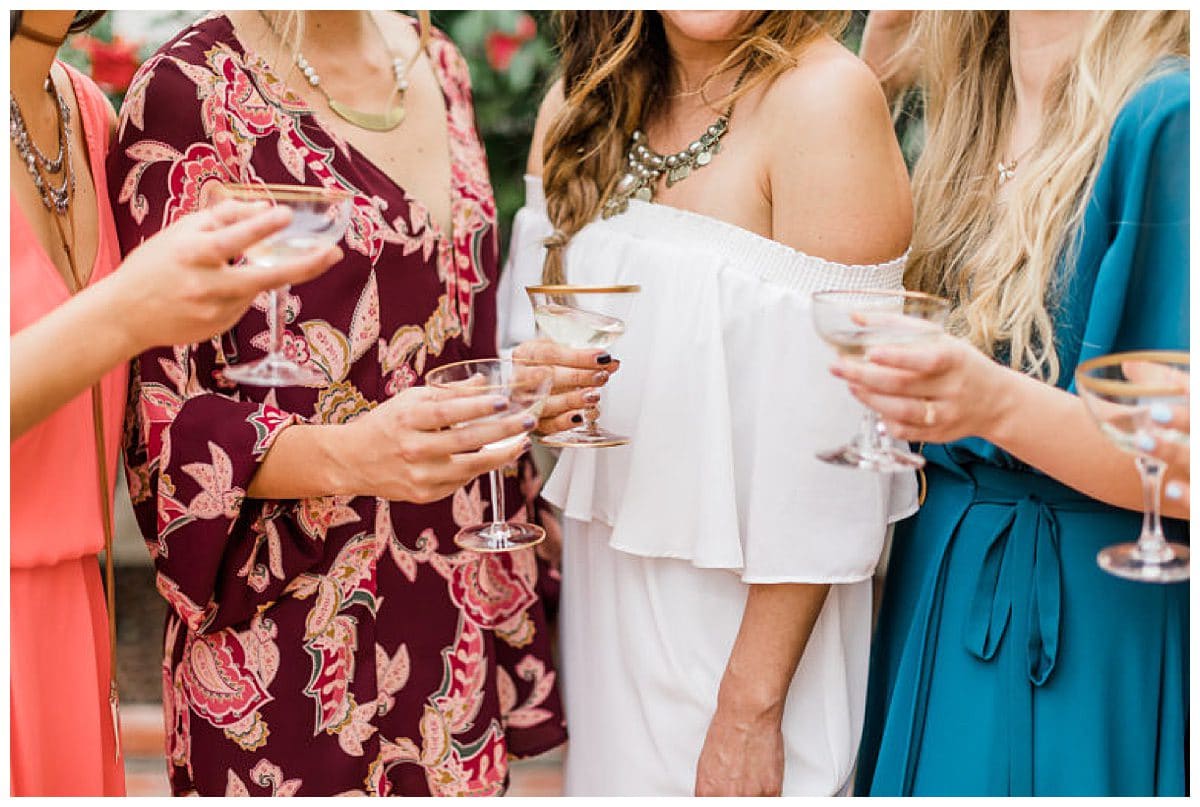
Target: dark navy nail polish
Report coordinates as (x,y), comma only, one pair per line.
(577,418)
(604,358)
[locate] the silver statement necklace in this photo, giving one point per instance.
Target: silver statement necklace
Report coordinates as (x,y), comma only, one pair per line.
(56,196)
(646,166)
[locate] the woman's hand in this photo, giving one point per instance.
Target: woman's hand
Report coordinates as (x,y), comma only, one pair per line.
(742,754)
(180,287)
(578,376)
(405,450)
(935,392)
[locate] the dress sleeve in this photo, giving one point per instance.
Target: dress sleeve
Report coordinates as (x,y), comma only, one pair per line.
(192,442)
(522,268)
(1141,297)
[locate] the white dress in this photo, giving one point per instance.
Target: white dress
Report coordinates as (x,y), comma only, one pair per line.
(725,391)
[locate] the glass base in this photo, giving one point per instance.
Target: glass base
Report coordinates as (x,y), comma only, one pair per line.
(1127,561)
(583,437)
(888,459)
(274,371)
(507,537)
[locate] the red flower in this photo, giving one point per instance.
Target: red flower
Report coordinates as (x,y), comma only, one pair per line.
(501,46)
(113,63)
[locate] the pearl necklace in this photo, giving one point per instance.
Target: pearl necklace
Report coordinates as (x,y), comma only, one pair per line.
(373,121)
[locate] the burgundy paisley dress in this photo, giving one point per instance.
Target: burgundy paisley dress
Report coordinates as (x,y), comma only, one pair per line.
(328,645)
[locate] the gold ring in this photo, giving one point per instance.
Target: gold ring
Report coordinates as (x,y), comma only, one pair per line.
(929,413)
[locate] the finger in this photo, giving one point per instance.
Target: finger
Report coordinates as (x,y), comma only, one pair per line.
(229,211)
(474,437)
(1175,455)
(1177,418)
(560,423)
(229,241)
(903,410)
(929,358)
(881,379)
(543,351)
(1180,492)
(433,415)
(555,405)
(569,379)
(252,279)
(468,466)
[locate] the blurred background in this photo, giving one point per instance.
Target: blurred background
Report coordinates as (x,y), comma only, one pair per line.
(512,59)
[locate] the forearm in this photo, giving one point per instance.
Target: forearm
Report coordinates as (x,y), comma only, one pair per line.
(63,354)
(1051,430)
(776,623)
(885,50)
(304,462)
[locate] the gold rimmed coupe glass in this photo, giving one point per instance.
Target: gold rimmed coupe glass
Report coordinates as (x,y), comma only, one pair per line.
(1129,395)
(582,317)
(853,321)
(319,218)
(525,386)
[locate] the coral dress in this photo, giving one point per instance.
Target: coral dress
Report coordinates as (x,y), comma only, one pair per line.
(332,644)
(62,737)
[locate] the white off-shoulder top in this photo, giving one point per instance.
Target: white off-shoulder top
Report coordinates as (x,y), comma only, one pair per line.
(725,391)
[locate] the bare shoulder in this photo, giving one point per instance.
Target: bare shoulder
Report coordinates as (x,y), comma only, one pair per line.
(830,92)
(839,186)
(552,104)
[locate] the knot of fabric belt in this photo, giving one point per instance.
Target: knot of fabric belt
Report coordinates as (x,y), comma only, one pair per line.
(1020,580)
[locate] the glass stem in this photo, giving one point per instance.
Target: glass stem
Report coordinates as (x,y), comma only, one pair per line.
(871,433)
(275,322)
(1152,545)
(497,533)
(590,416)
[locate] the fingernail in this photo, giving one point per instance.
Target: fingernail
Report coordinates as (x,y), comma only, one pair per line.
(528,422)
(591,396)
(577,418)
(601,377)
(604,358)
(1160,413)
(500,404)
(528,444)
(1174,491)
(1145,442)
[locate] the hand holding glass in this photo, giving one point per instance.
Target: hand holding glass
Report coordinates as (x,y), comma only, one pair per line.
(853,322)
(319,219)
(1125,393)
(525,387)
(582,317)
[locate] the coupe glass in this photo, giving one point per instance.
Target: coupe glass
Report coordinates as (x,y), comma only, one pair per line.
(854,321)
(1122,391)
(582,317)
(319,218)
(526,387)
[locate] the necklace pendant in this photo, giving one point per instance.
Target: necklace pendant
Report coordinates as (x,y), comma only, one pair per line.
(704,158)
(374,121)
(644,194)
(679,173)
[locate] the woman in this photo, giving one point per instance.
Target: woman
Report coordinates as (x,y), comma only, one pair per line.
(75,322)
(1052,209)
(325,635)
(716,577)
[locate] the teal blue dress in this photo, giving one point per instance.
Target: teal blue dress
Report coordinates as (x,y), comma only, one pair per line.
(1005,661)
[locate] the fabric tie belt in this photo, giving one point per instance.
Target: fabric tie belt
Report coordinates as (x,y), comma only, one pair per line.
(1017,594)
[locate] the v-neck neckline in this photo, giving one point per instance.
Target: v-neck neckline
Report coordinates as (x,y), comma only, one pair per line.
(356,155)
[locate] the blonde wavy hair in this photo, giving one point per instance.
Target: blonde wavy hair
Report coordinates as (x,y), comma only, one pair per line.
(996,258)
(615,68)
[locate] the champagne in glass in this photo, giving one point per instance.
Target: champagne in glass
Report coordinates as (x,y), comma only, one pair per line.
(319,218)
(853,322)
(582,317)
(1122,391)
(525,386)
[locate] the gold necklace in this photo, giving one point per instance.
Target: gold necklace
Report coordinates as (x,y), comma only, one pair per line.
(373,121)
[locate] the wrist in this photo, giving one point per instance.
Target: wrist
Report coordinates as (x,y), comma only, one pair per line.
(1000,421)
(751,698)
(122,314)
(337,446)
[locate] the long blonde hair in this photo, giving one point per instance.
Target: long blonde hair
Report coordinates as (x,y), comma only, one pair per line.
(615,67)
(996,261)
